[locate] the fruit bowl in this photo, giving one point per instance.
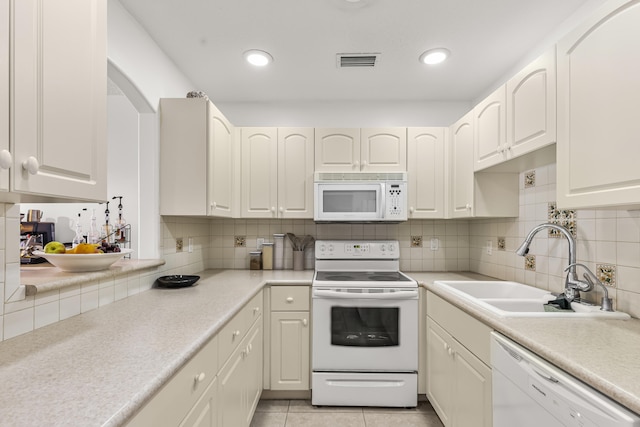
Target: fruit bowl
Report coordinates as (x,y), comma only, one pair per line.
(83,262)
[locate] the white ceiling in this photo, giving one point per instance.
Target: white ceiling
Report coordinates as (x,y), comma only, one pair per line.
(487,38)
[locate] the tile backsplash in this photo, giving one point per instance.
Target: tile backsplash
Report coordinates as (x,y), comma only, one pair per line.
(608,242)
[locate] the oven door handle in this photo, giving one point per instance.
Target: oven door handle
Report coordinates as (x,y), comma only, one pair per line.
(323,293)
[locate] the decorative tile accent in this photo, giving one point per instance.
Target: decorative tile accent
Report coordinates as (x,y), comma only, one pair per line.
(502,243)
(416,241)
(565,218)
(606,274)
(530,179)
(530,262)
(240,241)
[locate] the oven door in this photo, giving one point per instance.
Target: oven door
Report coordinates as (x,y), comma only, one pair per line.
(365,330)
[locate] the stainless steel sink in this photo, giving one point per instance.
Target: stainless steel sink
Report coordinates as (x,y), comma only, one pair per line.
(512,299)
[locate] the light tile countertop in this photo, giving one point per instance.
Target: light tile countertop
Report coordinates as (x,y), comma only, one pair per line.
(100,367)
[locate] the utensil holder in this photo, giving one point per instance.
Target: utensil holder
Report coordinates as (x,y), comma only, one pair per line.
(298,260)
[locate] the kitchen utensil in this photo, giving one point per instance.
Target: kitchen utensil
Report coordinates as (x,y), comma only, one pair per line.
(176,281)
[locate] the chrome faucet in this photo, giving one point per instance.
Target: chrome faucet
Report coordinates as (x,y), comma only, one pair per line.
(572,285)
(606,304)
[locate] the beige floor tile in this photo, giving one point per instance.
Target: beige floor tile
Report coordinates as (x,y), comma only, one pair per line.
(322,419)
(423,419)
(306,406)
(275,405)
(269,419)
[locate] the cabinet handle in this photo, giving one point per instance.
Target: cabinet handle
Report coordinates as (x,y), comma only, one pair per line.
(199,378)
(364,164)
(411,210)
(6,160)
(289,300)
(273,209)
(235,334)
(305,322)
(468,206)
(31,165)
(249,348)
(281,209)
(214,205)
(256,310)
(450,351)
(356,164)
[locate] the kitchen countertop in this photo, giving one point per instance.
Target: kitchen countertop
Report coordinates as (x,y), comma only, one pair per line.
(46,277)
(601,353)
(100,367)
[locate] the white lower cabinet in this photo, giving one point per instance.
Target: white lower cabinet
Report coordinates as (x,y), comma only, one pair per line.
(458,381)
(290,338)
(204,413)
(240,381)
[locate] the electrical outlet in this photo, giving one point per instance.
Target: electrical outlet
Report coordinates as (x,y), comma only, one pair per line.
(259,242)
(489,247)
(190,243)
(179,244)
(434,243)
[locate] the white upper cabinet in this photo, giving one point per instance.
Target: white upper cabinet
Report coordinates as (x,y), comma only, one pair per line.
(490,130)
(4,96)
(354,150)
(196,159)
(461,175)
(295,172)
(531,106)
(277,172)
(383,149)
(259,172)
(58,103)
(337,150)
(426,172)
(598,95)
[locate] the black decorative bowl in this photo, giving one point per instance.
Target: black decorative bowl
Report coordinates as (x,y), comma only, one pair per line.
(176,281)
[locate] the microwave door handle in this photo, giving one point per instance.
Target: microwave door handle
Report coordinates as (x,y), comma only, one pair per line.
(322,293)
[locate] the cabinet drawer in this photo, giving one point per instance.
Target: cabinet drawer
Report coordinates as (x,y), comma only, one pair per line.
(470,332)
(289,298)
(233,332)
(172,403)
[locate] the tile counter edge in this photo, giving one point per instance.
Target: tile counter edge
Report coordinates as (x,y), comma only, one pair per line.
(44,279)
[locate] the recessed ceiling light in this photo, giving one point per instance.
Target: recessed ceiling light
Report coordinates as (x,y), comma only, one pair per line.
(434,56)
(259,58)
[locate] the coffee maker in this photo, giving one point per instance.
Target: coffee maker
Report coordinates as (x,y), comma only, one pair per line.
(34,235)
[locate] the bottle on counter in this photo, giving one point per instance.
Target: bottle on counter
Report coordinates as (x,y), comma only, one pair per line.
(278,251)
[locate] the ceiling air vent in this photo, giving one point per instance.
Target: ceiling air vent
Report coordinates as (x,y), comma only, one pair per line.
(349,60)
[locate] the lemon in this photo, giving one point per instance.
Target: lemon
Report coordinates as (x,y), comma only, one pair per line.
(85,248)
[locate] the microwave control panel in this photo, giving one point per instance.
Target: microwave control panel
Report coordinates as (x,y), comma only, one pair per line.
(396,201)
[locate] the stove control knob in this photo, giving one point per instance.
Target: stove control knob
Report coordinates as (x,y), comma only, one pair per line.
(330,248)
(322,248)
(392,247)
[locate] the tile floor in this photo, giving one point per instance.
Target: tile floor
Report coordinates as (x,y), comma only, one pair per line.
(300,413)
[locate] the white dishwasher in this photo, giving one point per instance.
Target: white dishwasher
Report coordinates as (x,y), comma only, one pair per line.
(530,392)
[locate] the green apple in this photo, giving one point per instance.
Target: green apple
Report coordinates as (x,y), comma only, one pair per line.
(54,248)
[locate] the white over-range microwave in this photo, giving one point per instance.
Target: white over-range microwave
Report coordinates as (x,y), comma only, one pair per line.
(360,197)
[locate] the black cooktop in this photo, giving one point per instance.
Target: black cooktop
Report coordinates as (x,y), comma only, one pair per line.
(361,276)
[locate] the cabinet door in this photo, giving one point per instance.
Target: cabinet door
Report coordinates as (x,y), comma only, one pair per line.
(598,126)
(295,172)
(337,150)
(204,413)
(383,149)
(425,165)
(220,165)
(184,155)
(59,103)
(531,106)
(253,372)
(290,350)
(440,371)
(4,91)
(259,172)
(232,390)
(462,167)
(490,130)
(472,390)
